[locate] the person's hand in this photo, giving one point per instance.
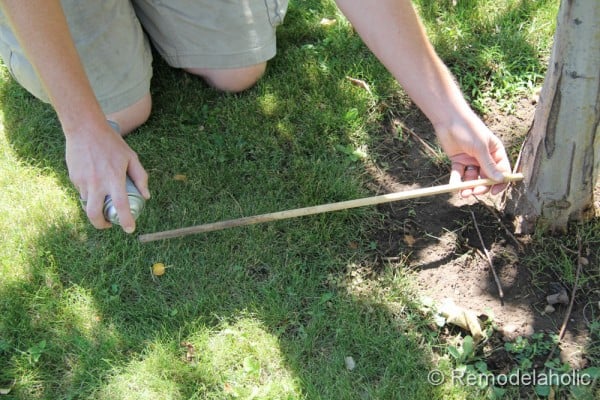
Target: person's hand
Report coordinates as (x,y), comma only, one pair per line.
(475,152)
(98,160)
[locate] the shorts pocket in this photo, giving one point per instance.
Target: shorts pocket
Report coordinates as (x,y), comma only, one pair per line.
(276,10)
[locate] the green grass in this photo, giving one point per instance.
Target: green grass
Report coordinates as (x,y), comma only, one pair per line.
(266,312)
(497,50)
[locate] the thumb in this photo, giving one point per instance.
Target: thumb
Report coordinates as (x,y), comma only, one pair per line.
(489,166)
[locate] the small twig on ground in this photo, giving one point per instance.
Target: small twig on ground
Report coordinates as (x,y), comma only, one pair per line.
(494,212)
(563,327)
(432,152)
(568,250)
(360,83)
(489,259)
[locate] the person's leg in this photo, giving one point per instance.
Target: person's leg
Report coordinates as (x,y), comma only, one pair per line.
(226,42)
(115,53)
(231,80)
(133,116)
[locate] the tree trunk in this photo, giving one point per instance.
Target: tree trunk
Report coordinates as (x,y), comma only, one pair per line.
(561,155)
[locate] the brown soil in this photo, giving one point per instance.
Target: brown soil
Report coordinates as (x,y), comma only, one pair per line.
(438,238)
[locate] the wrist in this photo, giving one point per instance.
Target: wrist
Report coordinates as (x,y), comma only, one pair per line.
(84,125)
(453,115)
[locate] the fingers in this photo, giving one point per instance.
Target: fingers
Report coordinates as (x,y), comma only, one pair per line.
(120,201)
(464,169)
(94,210)
(94,200)
(139,177)
(488,159)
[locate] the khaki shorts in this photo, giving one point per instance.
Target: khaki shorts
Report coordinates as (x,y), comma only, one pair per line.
(110,36)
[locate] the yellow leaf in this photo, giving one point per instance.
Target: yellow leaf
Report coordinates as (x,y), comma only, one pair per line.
(466,319)
(327,22)
(180,177)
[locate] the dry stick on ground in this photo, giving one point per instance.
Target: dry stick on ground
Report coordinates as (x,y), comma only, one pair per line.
(489,259)
(563,327)
(495,214)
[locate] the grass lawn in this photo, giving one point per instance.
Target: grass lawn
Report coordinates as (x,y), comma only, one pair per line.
(269,311)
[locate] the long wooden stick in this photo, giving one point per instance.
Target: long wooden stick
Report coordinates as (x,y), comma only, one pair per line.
(342,205)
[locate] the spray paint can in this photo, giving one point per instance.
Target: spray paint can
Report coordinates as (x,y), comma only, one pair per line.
(136,203)
(136,200)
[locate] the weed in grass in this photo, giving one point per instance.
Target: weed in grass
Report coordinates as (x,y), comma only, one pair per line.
(530,372)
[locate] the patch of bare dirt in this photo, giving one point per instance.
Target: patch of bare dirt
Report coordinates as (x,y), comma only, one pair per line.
(438,237)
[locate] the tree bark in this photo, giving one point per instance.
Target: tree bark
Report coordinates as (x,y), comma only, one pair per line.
(561,155)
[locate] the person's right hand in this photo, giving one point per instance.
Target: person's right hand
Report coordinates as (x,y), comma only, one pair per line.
(474,152)
(98,160)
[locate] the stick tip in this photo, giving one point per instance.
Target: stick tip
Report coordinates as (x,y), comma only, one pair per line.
(512,177)
(144,238)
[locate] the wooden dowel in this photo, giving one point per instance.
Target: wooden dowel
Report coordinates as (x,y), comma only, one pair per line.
(342,205)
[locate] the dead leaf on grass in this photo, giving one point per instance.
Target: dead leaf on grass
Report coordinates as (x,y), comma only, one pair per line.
(409,240)
(327,22)
(463,318)
(227,388)
(180,177)
(360,83)
(190,352)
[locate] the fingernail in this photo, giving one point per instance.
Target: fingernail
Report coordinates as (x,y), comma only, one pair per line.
(129,229)
(498,177)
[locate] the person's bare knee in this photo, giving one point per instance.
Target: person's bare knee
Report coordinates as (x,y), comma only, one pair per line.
(231,80)
(133,116)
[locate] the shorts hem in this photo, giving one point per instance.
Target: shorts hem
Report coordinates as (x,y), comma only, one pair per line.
(218,61)
(121,101)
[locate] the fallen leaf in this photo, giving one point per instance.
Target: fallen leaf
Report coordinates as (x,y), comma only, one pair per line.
(584,261)
(360,83)
(409,240)
(180,177)
(189,353)
(327,22)
(463,318)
